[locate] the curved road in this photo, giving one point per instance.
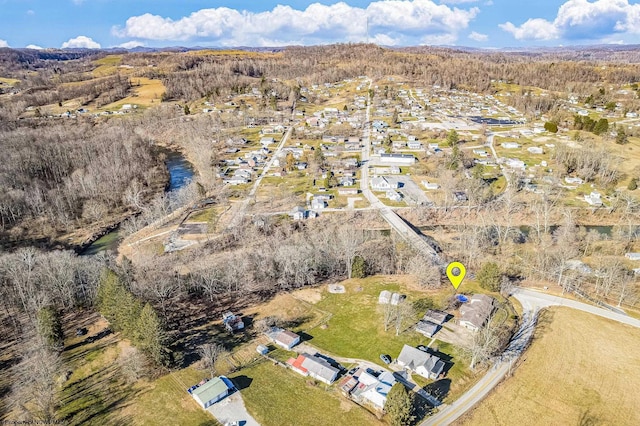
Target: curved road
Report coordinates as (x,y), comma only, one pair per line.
(532,301)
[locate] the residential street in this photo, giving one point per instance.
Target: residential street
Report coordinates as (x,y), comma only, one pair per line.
(532,302)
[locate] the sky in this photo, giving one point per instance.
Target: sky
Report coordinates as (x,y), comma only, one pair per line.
(233,23)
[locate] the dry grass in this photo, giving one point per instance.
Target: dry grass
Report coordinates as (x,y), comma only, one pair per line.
(146,93)
(9,81)
(581,369)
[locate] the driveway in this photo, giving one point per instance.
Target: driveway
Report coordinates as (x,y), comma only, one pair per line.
(232,409)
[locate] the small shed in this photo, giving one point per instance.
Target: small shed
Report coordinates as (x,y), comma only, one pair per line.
(262,350)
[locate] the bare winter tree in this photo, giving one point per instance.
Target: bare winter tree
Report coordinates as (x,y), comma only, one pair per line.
(132,364)
(35,390)
(210,353)
(485,343)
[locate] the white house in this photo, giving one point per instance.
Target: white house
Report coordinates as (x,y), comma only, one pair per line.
(394,195)
(514,163)
(425,364)
(573,180)
(375,389)
(267,141)
(380,183)
(510,145)
(398,158)
(593,199)
(535,150)
(430,185)
(632,256)
(414,145)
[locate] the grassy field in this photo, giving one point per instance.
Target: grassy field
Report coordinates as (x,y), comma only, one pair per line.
(581,369)
(276,396)
(146,93)
(9,81)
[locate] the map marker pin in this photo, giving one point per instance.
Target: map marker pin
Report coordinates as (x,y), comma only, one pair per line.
(456,272)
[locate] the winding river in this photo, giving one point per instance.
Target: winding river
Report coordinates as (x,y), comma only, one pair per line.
(180,173)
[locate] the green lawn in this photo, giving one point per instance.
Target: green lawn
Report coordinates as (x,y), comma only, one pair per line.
(355,329)
(276,396)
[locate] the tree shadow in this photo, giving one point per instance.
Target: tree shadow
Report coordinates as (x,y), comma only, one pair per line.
(439,389)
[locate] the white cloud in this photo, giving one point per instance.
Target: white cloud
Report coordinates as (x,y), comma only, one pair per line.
(457,1)
(31,12)
(34,47)
(389,22)
(478,36)
(131,44)
(533,29)
(582,20)
(80,42)
(3,43)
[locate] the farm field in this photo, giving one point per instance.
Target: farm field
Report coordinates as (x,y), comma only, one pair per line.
(579,370)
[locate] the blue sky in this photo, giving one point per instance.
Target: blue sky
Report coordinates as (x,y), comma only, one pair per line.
(476,23)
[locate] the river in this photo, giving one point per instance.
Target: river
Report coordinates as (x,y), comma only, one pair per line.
(180,173)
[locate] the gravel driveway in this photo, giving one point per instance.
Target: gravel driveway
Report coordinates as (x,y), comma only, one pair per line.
(232,409)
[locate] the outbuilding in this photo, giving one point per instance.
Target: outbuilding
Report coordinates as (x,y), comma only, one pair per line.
(212,391)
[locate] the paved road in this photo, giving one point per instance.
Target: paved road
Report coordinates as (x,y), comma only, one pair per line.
(532,302)
(399,225)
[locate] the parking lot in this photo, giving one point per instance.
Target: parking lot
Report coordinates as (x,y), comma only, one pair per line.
(410,190)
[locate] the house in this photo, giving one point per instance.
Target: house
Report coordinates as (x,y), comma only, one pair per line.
(380,183)
(314,366)
(427,328)
(460,196)
(347,181)
(267,141)
(318,204)
(430,185)
(510,145)
(283,338)
(593,199)
(423,363)
(298,213)
(347,191)
(436,316)
(385,297)
(514,163)
(394,195)
(232,322)
(373,390)
(475,313)
(212,391)
(434,146)
(535,150)
(573,180)
(262,349)
(632,256)
(398,158)
(414,145)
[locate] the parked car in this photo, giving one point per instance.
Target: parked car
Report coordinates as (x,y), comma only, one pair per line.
(385,358)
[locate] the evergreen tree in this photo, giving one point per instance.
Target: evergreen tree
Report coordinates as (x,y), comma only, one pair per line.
(621,136)
(633,185)
(359,267)
(551,127)
(490,276)
(601,126)
(453,138)
(399,406)
(151,334)
(49,327)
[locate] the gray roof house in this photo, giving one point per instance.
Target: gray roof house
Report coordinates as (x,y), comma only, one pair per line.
(314,366)
(475,313)
(436,316)
(427,328)
(283,338)
(425,364)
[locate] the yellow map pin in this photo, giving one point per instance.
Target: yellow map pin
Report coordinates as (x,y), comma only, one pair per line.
(456,272)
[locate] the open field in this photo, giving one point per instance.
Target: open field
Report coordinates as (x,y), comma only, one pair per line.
(581,369)
(146,92)
(9,81)
(276,396)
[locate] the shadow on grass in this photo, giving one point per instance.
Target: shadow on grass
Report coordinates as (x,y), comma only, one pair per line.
(242,382)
